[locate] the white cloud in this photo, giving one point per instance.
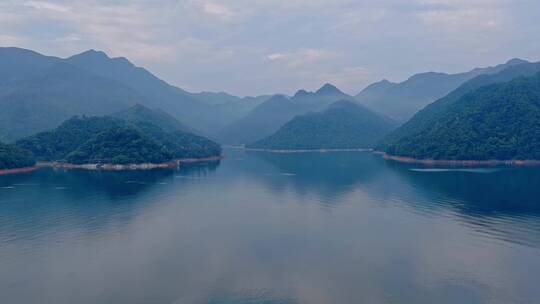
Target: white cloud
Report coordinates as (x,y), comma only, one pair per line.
(48,6)
(219,10)
(303,58)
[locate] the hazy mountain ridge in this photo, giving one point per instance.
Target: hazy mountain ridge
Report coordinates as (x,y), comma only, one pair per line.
(401,101)
(53,92)
(38,92)
(429,116)
(269,116)
(190,108)
(488,118)
(158,117)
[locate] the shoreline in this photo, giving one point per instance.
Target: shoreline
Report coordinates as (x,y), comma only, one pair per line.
(122,167)
(465,163)
(18,170)
(111,167)
(308,150)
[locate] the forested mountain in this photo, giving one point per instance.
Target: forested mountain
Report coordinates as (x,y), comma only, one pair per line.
(158,117)
(38,92)
(401,101)
(344,125)
(17,64)
(12,157)
(57,144)
(181,144)
(124,145)
(270,115)
(497,121)
(52,93)
(430,115)
(207,112)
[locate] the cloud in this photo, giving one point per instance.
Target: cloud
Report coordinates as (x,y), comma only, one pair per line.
(291,44)
(219,10)
(303,58)
(49,6)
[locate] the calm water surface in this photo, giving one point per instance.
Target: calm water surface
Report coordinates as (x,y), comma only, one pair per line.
(272,228)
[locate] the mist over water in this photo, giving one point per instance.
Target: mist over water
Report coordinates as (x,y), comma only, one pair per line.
(344,227)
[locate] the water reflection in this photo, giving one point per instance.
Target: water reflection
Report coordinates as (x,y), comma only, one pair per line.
(38,202)
(481,191)
(252,229)
(327,175)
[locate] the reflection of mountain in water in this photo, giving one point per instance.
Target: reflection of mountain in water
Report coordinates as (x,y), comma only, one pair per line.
(38,201)
(500,202)
(115,184)
(477,191)
(329,175)
(251,297)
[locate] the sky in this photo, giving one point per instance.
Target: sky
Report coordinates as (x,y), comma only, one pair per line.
(251,47)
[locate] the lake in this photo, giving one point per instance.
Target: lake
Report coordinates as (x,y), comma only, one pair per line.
(256,227)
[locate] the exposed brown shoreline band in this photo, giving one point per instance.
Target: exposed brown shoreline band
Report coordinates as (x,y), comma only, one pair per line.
(490,162)
(18,170)
(111,167)
(142,166)
(307,150)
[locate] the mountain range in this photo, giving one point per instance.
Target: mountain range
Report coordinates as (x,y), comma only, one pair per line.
(269,116)
(400,101)
(38,92)
(490,116)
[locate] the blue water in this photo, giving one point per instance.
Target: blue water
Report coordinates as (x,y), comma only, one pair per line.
(259,227)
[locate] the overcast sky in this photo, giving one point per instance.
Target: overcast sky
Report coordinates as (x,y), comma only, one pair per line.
(249,47)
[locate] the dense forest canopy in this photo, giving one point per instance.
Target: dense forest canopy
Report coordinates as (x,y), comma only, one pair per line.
(12,157)
(58,144)
(431,114)
(124,145)
(498,121)
(344,125)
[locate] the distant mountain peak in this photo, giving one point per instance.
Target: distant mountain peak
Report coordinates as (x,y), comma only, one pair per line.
(515,61)
(382,83)
(329,89)
(301,93)
(99,56)
(93,53)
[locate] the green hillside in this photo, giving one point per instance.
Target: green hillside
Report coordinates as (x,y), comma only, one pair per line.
(12,157)
(57,144)
(125,145)
(140,113)
(344,125)
(430,115)
(269,116)
(497,121)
